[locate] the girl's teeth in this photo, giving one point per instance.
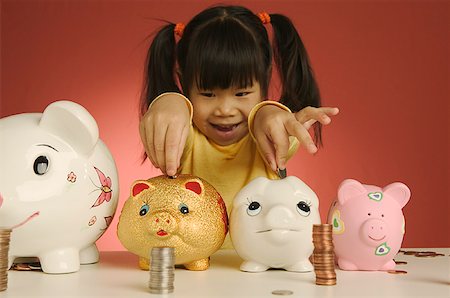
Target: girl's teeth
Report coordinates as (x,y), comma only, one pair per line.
(224,128)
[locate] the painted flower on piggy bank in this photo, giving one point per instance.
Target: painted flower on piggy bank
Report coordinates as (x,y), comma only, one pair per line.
(368,224)
(271,224)
(186,213)
(59,186)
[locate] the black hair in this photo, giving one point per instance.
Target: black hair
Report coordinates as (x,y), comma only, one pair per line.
(228,46)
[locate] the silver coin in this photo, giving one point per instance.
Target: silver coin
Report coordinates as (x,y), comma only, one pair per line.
(282,173)
(282,292)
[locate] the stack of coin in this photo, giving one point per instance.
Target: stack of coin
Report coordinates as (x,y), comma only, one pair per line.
(162,269)
(4,249)
(324,255)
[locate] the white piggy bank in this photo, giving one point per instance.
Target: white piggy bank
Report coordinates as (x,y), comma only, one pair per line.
(271,224)
(58,184)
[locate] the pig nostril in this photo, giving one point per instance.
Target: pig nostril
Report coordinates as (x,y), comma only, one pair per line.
(168,221)
(157,220)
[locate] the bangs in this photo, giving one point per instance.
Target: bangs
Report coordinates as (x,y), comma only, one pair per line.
(232,59)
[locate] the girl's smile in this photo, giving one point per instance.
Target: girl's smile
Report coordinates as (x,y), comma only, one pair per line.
(221,114)
(226,132)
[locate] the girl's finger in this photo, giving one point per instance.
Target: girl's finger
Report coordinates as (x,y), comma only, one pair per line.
(172,146)
(309,123)
(145,141)
(182,143)
(296,129)
(267,150)
(160,147)
(319,114)
(280,140)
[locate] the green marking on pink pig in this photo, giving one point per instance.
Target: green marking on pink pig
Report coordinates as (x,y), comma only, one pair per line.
(382,249)
(376,196)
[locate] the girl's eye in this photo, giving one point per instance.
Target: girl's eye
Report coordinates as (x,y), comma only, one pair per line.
(303,208)
(254,208)
(183,208)
(40,166)
(239,94)
(207,94)
(144,210)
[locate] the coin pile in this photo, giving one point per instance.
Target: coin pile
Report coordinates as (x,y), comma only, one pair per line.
(5,235)
(421,254)
(162,269)
(324,255)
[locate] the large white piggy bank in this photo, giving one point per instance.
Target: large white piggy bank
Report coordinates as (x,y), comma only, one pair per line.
(271,224)
(58,184)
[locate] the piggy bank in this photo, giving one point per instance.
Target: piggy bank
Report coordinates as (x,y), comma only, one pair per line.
(186,213)
(58,184)
(368,224)
(271,224)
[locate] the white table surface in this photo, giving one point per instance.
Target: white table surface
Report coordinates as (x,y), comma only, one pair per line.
(117,275)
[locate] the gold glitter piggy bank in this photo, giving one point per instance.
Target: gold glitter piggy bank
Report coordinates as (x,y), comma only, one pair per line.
(186,213)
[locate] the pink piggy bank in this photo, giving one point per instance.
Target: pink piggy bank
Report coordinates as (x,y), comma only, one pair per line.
(368,224)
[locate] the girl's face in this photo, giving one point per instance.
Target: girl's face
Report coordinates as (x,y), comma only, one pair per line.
(221,114)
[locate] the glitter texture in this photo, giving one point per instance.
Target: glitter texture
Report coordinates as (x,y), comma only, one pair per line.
(186,213)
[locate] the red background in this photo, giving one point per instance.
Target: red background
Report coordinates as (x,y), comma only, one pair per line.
(385,64)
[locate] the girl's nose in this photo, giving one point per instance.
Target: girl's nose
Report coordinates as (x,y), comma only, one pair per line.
(225,107)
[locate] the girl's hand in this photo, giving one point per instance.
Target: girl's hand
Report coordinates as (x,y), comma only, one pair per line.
(164,129)
(273,126)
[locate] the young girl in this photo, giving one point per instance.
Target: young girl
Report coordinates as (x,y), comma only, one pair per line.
(217,76)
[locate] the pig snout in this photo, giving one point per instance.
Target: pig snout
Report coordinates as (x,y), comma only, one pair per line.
(163,223)
(375,231)
(279,217)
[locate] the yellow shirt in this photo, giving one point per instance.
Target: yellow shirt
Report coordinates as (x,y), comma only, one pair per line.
(227,168)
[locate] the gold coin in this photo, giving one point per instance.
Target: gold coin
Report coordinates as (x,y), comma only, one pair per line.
(282,292)
(397,271)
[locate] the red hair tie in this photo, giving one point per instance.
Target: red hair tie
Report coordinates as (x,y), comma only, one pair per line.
(179,28)
(264,17)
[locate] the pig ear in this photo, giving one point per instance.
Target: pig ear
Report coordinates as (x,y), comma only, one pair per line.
(139,186)
(350,188)
(72,123)
(195,186)
(399,192)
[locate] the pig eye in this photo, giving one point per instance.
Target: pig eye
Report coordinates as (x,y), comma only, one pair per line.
(254,208)
(303,208)
(144,210)
(40,166)
(183,208)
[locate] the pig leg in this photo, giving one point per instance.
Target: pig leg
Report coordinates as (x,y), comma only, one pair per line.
(250,266)
(346,265)
(64,260)
(390,265)
(89,255)
(302,266)
(144,263)
(198,265)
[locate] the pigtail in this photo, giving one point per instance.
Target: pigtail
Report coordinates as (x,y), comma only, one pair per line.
(160,69)
(299,87)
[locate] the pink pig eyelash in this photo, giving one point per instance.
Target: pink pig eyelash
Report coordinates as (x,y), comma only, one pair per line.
(249,202)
